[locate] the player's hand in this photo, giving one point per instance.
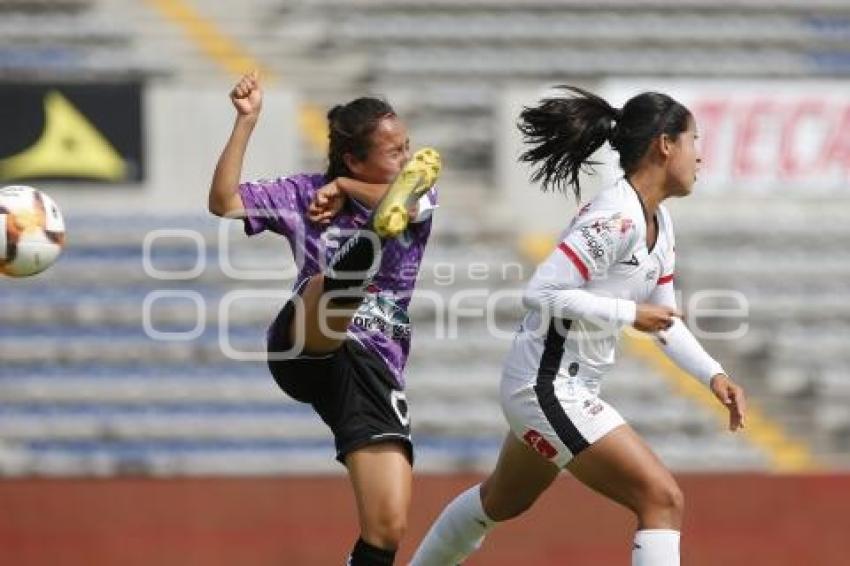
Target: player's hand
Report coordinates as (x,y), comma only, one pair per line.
(247,96)
(732,397)
(654,318)
(326,204)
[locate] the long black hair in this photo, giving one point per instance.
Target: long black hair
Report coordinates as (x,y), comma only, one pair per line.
(564,132)
(350,127)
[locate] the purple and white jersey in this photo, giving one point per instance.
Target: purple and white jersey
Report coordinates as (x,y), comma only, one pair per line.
(381,323)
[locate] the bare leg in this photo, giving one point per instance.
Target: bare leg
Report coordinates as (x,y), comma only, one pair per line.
(521,475)
(381,476)
(319,316)
(622,467)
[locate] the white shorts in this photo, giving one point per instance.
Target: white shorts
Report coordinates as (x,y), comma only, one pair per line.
(558,418)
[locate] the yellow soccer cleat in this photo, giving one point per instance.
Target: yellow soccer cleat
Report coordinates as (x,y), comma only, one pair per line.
(392,214)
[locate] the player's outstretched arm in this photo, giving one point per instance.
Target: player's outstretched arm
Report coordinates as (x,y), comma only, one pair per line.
(683,348)
(247,98)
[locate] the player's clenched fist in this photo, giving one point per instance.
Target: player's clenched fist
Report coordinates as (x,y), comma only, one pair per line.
(327,203)
(247,96)
(654,318)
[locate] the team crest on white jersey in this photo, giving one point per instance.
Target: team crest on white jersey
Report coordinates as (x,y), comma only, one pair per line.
(616,224)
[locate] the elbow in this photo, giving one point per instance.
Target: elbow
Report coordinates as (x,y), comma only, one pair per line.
(213,205)
(216,205)
(214,209)
(531,298)
(219,197)
(540,295)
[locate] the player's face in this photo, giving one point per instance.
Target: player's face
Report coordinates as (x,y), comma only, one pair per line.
(389,151)
(684,161)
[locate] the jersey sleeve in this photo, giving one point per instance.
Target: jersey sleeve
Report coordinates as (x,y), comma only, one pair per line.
(682,347)
(597,240)
(664,294)
(276,205)
(589,247)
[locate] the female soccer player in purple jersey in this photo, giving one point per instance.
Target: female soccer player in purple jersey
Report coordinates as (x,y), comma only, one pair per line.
(612,268)
(358,233)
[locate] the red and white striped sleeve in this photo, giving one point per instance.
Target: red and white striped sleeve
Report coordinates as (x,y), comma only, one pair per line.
(593,244)
(597,240)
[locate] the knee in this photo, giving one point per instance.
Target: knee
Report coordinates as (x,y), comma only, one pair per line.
(386,530)
(663,505)
(674,500)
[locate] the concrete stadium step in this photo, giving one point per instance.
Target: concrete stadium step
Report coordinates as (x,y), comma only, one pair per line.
(527,27)
(412,63)
(89,306)
(433,380)
(304,456)
(221,457)
(57,385)
(386,6)
(721,453)
(175,421)
(249,344)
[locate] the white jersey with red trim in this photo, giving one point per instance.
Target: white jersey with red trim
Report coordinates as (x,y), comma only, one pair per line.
(591,285)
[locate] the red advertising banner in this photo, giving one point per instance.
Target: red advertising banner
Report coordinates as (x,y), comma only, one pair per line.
(764,137)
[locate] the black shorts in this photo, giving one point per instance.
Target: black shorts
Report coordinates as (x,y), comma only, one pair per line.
(352,390)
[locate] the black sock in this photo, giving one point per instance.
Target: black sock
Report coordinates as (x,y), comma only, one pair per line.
(364,554)
(352,266)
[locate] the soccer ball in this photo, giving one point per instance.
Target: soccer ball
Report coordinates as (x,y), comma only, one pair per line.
(32,232)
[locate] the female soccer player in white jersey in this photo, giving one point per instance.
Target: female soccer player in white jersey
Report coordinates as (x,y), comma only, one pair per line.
(341,342)
(613,267)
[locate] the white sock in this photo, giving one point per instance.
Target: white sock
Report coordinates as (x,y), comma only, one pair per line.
(656,547)
(457,532)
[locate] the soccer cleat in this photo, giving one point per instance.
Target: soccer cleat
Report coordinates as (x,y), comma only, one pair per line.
(392,214)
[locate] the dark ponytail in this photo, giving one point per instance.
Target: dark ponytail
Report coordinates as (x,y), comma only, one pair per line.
(350,128)
(565,131)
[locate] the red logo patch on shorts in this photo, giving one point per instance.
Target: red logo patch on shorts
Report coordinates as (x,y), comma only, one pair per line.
(540,444)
